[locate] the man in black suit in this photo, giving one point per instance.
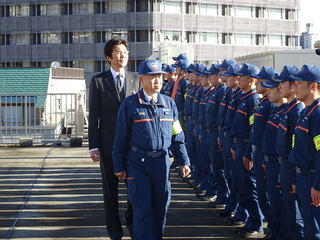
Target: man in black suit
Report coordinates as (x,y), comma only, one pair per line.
(107,90)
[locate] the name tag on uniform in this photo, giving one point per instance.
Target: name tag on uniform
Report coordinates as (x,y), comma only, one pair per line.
(166,111)
(142,113)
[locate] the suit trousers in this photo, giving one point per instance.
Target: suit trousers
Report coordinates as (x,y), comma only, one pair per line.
(110,196)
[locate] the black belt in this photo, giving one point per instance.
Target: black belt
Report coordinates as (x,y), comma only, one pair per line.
(237,140)
(300,170)
(153,154)
(209,130)
(282,160)
(271,159)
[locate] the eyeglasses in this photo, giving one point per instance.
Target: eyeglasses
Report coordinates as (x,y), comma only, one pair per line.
(119,53)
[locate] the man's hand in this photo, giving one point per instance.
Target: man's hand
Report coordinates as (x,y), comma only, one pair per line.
(248,163)
(121,175)
(315,195)
(233,154)
(95,155)
(185,170)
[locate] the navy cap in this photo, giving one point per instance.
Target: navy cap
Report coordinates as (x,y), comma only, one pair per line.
(169,69)
(181,56)
(286,71)
(307,73)
(269,84)
(164,66)
(226,63)
(150,67)
(191,66)
(204,72)
(265,73)
(247,69)
(198,67)
(232,70)
(181,63)
(214,69)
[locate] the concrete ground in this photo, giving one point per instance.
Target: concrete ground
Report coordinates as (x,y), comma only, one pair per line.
(50,193)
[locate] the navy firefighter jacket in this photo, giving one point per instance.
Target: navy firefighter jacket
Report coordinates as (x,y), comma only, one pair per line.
(224,106)
(196,102)
(269,143)
(286,127)
(243,119)
(180,97)
(305,153)
(232,107)
(203,106)
(213,107)
(147,129)
(189,100)
(261,116)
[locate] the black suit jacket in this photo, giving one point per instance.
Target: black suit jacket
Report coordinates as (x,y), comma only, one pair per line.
(104,103)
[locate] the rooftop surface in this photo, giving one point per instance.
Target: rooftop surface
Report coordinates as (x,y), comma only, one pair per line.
(53,193)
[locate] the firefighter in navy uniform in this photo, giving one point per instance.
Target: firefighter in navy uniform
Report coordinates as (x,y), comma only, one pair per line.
(240,130)
(271,163)
(147,125)
(292,222)
(261,116)
(305,154)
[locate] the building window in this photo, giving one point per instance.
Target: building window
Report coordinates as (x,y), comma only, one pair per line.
(244,12)
(19,39)
(82,37)
(117,34)
(260,12)
(260,39)
(243,39)
(50,38)
(290,14)
(209,9)
(88,66)
(173,7)
(207,37)
(275,13)
(226,38)
(50,10)
(82,8)
(190,8)
(173,35)
(19,10)
(191,37)
(116,7)
(226,10)
(275,40)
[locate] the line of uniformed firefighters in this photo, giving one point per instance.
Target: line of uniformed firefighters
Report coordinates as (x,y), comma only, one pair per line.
(253,137)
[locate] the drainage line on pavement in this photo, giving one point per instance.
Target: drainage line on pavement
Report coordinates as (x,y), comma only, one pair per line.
(27,197)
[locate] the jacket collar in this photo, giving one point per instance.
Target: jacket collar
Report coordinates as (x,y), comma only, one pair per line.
(143,100)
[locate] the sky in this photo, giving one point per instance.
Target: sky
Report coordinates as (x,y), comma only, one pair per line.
(309,13)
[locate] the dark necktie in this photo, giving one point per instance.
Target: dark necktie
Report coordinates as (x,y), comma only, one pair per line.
(120,83)
(153,102)
(120,86)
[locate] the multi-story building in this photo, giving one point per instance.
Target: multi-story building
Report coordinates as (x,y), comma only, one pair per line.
(73,32)
(309,37)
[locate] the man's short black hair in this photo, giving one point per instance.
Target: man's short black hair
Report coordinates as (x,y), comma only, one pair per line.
(108,48)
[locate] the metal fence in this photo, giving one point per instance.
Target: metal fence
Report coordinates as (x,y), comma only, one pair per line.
(42,117)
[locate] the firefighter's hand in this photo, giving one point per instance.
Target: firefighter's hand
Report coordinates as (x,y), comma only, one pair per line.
(185,170)
(121,175)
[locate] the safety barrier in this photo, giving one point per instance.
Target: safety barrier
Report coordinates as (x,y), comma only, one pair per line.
(40,118)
